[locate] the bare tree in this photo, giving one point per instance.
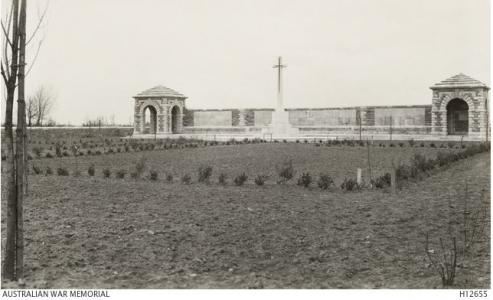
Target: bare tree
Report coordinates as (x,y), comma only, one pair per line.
(12,69)
(21,161)
(31,112)
(40,105)
(9,69)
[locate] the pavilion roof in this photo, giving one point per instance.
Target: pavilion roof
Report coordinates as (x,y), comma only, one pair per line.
(459,81)
(160,91)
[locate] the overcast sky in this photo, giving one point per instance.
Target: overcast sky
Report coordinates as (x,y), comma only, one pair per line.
(97,54)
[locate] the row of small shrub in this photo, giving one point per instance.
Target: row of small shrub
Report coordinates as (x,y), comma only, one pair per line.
(60,149)
(153,175)
(410,143)
(204,175)
(419,164)
(38,151)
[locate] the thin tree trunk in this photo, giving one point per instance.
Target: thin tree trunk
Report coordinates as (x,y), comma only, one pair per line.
(8,268)
(369,160)
(8,271)
(20,146)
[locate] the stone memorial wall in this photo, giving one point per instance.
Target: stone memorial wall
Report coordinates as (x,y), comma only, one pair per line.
(459,107)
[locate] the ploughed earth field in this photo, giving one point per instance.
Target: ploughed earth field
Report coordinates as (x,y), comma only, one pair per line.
(96,232)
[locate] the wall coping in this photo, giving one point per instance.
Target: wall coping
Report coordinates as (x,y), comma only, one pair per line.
(318,108)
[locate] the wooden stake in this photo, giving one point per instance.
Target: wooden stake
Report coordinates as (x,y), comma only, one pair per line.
(393,180)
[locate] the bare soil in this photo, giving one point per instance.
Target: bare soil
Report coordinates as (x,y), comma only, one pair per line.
(92,232)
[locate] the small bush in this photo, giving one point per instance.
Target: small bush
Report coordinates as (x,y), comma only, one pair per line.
(421,163)
(403,172)
(36,170)
(49,155)
(286,172)
(411,143)
(422,145)
(169,178)
(260,179)
(186,179)
(240,179)
(401,144)
(37,151)
(91,170)
(121,173)
(58,150)
(140,166)
(205,173)
(349,184)
(444,262)
(134,175)
(325,181)
(305,180)
(442,159)
(432,145)
(106,173)
(153,175)
(49,171)
(222,179)
(382,181)
(62,172)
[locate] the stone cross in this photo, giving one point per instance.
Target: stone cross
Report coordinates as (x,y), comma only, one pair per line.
(279,68)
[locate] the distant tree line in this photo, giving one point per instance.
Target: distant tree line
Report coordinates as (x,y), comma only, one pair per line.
(102,121)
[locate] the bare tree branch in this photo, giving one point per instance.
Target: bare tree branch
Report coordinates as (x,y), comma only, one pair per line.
(7,39)
(40,21)
(4,76)
(5,55)
(35,57)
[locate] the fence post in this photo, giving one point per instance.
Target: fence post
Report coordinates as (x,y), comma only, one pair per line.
(358,177)
(393,180)
(390,128)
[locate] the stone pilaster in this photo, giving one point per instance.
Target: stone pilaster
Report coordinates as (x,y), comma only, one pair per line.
(241,117)
(235,117)
(160,123)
